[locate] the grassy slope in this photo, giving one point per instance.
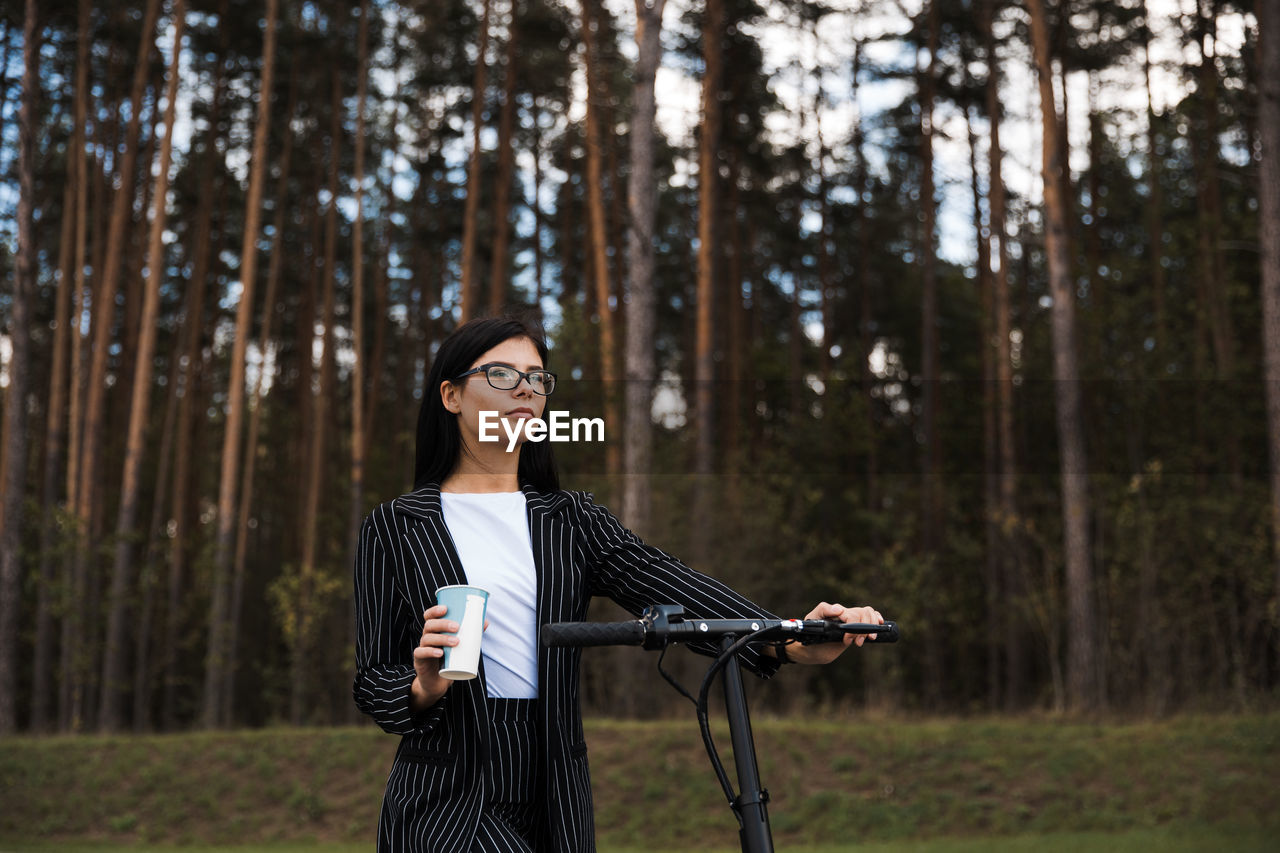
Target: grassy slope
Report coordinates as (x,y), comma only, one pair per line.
(855,780)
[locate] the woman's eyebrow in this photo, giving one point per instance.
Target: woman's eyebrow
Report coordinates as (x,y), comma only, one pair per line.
(526,370)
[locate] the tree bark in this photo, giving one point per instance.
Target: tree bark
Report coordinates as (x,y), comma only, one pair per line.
(359,426)
(304,617)
(143,668)
(990,441)
(1209,195)
(381,294)
(5,47)
(15,409)
(102,327)
(499,272)
(1012,565)
(1083,689)
(469,298)
(931,519)
(1155,201)
(641,313)
(67,653)
(192,337)
(56,422)
(708,195)
(218,643)
(114,680)
(536,203)
(826,276)
(865,340)
(597,96)
(1269,239)
(735,345)
(255,411)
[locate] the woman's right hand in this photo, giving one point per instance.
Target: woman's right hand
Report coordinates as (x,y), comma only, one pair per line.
(437,632)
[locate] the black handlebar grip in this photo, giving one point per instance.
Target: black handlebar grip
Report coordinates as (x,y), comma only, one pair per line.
(886,633)
(593,634)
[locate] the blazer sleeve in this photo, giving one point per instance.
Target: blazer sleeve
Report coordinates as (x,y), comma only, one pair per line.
(636,575)
(386,634)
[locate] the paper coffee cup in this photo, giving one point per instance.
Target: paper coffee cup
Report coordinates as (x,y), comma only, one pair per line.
(466,606)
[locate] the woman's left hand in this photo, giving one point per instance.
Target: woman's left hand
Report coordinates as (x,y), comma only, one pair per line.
(827,652)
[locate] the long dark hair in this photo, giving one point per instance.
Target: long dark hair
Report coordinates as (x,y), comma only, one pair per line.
(439,439)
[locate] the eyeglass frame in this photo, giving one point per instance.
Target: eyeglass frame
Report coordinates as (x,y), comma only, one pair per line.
(524,377)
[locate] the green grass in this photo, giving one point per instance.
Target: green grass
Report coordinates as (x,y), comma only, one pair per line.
(1188,783)
(1166,840)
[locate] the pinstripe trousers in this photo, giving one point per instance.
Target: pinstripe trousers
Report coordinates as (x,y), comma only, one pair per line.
(513,821)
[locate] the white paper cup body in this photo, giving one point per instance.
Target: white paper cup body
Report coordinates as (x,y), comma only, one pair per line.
(467,605)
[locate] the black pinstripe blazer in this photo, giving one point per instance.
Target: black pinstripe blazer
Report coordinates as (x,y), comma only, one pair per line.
(436,789)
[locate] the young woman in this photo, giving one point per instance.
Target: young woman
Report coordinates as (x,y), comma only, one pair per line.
(498,763)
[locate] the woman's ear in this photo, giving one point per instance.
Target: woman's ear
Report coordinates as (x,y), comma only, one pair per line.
(449,397)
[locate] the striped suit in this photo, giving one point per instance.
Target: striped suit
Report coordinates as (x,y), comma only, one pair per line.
(436,791)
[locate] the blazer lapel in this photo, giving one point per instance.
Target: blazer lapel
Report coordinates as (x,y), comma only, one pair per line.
(434,560)
(552,554)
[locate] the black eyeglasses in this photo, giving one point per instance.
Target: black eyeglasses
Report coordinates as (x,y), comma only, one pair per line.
(504,377)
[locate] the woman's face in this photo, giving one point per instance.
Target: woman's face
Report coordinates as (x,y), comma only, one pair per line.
(473,394)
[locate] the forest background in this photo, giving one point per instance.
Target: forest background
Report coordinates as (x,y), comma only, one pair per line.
(969,310)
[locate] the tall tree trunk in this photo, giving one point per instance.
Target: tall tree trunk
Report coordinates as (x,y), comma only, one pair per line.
(55,433)
(143,668)
(15,409)
(1093,230)
(1214,293)
(469,298)
(111,708)
(56,423)
(381,294)
(304,617)
(735,345)
(1269,239)
(1155,201)
(1082,673)
(4,71)
(103,322)
(1208,192)
(713,25)
(990,439)
(359,426)
(224,546)
(865,339)
(597,96)
(1012,563)
(499,272)
(536,202)
(304,348)
(255,411)
(641,316)
(193,327)
(826,276)
(931,494)
(68,653)
(609,144)
(1151,638)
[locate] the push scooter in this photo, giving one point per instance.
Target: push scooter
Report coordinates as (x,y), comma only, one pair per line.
(661,625)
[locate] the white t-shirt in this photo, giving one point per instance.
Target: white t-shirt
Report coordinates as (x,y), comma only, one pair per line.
(491,533)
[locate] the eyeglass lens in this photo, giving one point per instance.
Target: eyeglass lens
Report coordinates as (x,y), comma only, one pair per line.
(506,378)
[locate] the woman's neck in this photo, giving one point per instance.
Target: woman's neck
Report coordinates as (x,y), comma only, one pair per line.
(479,481)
